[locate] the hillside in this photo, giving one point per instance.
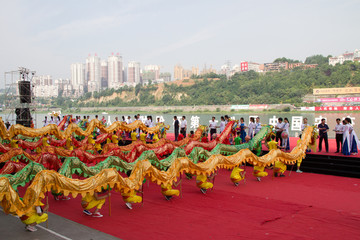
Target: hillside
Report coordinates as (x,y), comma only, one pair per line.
(289,86)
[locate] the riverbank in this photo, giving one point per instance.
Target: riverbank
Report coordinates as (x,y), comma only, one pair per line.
(220,109)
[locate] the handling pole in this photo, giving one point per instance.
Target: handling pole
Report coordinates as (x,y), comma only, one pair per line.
(291,169)
(109,203)
(47,203)
(180,185)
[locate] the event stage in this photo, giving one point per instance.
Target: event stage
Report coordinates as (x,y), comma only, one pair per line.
(299,206)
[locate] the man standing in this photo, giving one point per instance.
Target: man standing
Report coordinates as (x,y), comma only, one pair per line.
(323,129)
(339,129)
(183,126)
(176,127)
(212,126)
(279,129)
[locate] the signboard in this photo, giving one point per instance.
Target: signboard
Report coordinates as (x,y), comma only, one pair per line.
(345,99)
(335,91)
(307,108)
(341,108)
(239,107)
(258,106)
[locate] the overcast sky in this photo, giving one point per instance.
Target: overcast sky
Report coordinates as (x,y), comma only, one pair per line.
(47,36)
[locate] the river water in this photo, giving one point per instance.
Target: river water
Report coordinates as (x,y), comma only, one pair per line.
(194,119)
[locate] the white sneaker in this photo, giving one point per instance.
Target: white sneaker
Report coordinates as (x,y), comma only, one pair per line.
(259,179)
(203,190)
(236,184)
(299,171)
(31,228)
(129,206)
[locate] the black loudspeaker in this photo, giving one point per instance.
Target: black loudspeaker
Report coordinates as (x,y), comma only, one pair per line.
(23,116)
(25,92)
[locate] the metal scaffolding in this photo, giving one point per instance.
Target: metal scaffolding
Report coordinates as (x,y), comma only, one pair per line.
(12,94)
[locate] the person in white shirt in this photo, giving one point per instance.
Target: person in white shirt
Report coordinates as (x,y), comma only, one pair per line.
(226,119)
(129,120)
(251,127)
(305,124)
(257,125)
(279,129)
(339,129)
(212,126)
(183,126)
(222,124)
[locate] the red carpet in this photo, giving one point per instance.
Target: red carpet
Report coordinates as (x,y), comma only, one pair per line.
(302,206)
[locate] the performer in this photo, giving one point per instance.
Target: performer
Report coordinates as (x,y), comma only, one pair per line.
(143,137)
(303,126)
(156,138)
(257,126)
(191,134)
(130,198)
(168,191)
(298,163)
(354,141)
(46,122)
(35,216)
(115,138)
(98,147)
(285,135)
(133,136)
(242,130)
(339,135)
(279,167)
(14,142)
(237,140)
(222,124)
(251,127)
(176,127)
(346,138)
(45,141)
(203,184)
(69,145)
(259,171)
(237,175)
(279,129)
(183,126)
(212,126)
(94,201)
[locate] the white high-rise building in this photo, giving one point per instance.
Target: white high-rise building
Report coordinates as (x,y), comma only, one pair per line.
(78,78)
(115,71)
(133,73)
(45,87)
(93,73)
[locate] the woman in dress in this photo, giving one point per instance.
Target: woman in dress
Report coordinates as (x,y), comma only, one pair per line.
(346,138)
(242,130)
(252,126)
(354,141)
(222,124)
(285,135)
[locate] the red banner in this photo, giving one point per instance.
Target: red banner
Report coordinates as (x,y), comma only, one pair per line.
(344,99)
(341,108)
